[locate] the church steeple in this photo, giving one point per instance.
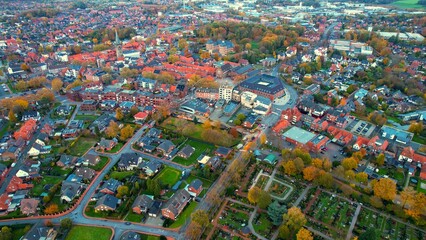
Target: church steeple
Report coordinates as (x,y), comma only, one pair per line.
(117,43)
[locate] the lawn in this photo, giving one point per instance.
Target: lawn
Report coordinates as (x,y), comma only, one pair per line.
(101,164)
(262,225)
(38,187)
(133,217)
(5,128)
(116,148)
(408,4)
(81,146)
(89,233)
(121,175)
(186,214)
(418,139)
(200,147)
(168,176)
(149,237)
(86,117)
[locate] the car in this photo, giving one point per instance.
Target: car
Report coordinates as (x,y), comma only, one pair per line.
(335,156)
(128,223)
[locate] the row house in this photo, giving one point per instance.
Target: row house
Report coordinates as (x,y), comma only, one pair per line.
(310,107)
(340,136)
(337,116)
(26,131)
(319,125)
(89,105)
(292,115)
(207,93)
(374,144)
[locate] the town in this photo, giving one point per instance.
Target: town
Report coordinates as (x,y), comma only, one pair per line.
(213,120)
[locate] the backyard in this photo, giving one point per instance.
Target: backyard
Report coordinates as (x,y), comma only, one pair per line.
(81,146)
(168,176)
(185,215)
(101,164)
(89,233)
(116,148)
(38,188)
(200,147)
(121,175)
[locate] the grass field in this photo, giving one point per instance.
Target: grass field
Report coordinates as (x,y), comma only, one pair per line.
(200,147)
(133,217)
(168,176)
(121,175)
(101,164)
(81,146)
(89,233)
(186,214)
(408,4)
(38,187)
(149,237)
(86,117)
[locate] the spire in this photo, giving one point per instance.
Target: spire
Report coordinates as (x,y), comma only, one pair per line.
(117,39)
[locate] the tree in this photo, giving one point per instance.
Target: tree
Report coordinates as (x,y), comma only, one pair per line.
(112,129)
(193,231)
(126,132)
(182,43)
(350,175)
(129,73)
(304,234)
(207,124)
(153,186)
(119,114)
(416,127)
(310,173)
(51,209)
(254,194)
(25,67)
(290,168)
(325,179)
(122,191)
(361,177)
(21,85)
(300,165)
(417,207)
(316,162)
(326,165)
(6,233)
(369,234)
(12,116)
(407,196)
(264,199)
(262,138)
(57,84)
(385,189)
(173,58)
(349,163)
(200,217)
(237,122)
(275,212)
(294,219)
(133,111)
(66,224)
(284,232)
(380,160)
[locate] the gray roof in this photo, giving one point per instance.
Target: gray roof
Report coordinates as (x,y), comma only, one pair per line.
(107,200)
(196,184)
(143,201)
(263,83)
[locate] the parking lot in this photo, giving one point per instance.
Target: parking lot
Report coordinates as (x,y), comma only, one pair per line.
(4,90)
(361,127)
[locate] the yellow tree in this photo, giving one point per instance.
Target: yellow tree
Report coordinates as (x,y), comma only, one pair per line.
(119,114)
(418,207)
(304,234)
(361,177)
(57,84)
(290,168)
(310,173)
(254,194)
(294,219)
(207,124)
(385,189)
(112,129)
(262,138)
(316,162)
(126,132)
(407,196)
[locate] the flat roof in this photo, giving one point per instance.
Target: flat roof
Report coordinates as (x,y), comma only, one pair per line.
(299,135)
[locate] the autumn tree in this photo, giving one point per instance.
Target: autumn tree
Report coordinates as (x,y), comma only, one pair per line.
(6,233)
(276,212)
(193,231)
(254,194)
(119,114)
(12,116)
(361,177)
(66,224)
(126,132)
(384,188)
(407,196)
(200,217)
(57,84)
(380,160)
(316,162)
(122,191)
(207,124)
(416,127)
(129,73)
(294,219)
(46,95)
(310,173)
(290,168)
(182,43)
(304,234)
(324,179)
(327,165)
(417,207)
(349,163)
(21,85)
(300,165)
(112,129)
(51,209)
(264,199)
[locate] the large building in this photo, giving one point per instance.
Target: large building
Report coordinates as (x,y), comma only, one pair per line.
(300,137)
(263,85)
(222,47)
(225,92)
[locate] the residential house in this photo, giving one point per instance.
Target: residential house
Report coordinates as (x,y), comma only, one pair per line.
(142,204)
(39,148)
(29,206)
(17,184)
(90,159)
(223,152)
(129,161)
(186,151)
(89,105)
(70,190)
(341,137)
(409,155)
(27,115)
(110,186)
(85,173)
(28,172)
(150,167)
(292,115)
(166,147)
(26,130)
(176,204)
(140,116)
(66,161)
(40,233)
(195,187)
(106,144)
(106,203)
(69,133)
(377,145)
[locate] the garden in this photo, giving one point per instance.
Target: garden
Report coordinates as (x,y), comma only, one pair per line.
(234,216)
(168,176)
(44,184)
(184,215)
(262,225)
(200,148)
(262,181)
(278,189)
(89,233)
(80,146)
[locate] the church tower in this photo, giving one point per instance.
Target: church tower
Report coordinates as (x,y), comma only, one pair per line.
(118,47)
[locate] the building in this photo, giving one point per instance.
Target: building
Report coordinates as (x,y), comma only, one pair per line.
(223,47)
(351,47)
(303,138)
(207,93)
(176,204)
(89,105)
(195,187)
(186,152)
(142,204)
(29,206)
(107,203)
(395,134)
(264,85)
(292,115)
(225,92)
(26,131)
(38,233)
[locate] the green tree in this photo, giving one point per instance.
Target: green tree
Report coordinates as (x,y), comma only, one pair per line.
(264,199)
(6,233)
(66,224)
(276,212)
(294,219)
(369,234)
(122,191)
(200,217)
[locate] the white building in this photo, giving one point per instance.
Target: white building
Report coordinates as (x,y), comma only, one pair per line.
(225,92)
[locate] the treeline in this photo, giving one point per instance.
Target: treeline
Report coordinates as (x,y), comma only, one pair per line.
(108,34)
(44,12)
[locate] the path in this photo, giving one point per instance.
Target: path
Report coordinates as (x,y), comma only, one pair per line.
(316,232)
(354,219)
(250,224)
(300,198)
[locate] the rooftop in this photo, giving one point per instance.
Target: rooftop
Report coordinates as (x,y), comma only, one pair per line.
(299,135)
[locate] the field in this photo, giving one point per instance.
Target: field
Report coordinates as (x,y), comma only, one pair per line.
(408,4)
(121,175)
(185,215)
(200,147)
(89,233)
(168,176)
(38,187)
(80,147)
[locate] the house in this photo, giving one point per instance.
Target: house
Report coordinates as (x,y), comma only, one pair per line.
(409,155)
(28,172)
(155,208)
(250,121)
(166,147)
(151,167)
(16,184)
(142,204)
(39,148)
(89,105)
(140,116)
(195,188)
(110,186)
(29,206)
(176,204)
(214,163)
(85,173)
(27,115)
(40,233)
(69,133)
(129,161)
(90,159)
(107,203)
(107,145)
(186,151)
(70,190)
(63,110)
(66,161)
(26,130)
(223,152)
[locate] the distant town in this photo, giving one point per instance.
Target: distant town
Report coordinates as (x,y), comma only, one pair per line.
(275,119)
